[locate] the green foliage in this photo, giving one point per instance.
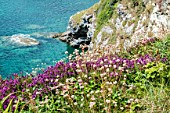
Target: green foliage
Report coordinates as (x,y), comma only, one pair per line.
(3,100)
(124,23)
(105,12)
(158,73)
(7,110)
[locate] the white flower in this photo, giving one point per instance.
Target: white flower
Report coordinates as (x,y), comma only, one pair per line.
(82,99)
(107,83)
(109,89)
(81,87)
(70,64)
(78,66)
(118,60)
(79,80)
(107,101)
(76,50)
(66,52)
(131,99)
(124,83)
(101,91)
(92,60)
(101,75)
(136,100)
(101,62)
(115,82)
(91,92)
(67,80)
(114,66)
(97,91)
(88,95)
(128,101)
(66,95)
(92,104)
(115,105)
(107,70)
(75,103)
(72,96)
(83,65)
(102,68)
(92,98)
(85,83)
(85,76)
(37,93)
(56,80)
(121,108)
(57,92)
(79,70)
(81,105)
(105,60)
(120,68)
(94,66)
(96,54)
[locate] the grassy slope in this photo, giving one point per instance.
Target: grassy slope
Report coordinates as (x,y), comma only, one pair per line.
(93,88)
(138,88)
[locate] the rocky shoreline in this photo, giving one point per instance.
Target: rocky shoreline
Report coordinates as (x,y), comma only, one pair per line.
(123,30)
(81,33)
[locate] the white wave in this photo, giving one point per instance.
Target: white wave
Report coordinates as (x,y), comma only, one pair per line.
(34,26)
(23,39)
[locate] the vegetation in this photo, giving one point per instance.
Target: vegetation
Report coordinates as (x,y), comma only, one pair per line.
(76,19)
(104,13)
(136,80)
(133,80)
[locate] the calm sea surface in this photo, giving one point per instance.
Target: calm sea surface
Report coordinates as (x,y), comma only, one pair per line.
(38,19)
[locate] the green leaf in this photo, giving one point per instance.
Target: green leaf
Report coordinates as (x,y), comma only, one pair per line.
(3,100)
(9,105)
(16,108)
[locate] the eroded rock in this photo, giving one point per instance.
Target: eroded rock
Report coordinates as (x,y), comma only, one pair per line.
(79,34)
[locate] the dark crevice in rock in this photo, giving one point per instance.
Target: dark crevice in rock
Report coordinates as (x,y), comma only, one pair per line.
(80,34)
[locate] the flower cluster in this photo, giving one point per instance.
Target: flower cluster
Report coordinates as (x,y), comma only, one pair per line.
(97,79)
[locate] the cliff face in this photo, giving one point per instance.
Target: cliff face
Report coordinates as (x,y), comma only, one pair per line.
(80,28)
(126,22)
(120,23)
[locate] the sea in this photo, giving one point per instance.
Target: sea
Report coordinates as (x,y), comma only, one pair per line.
(39,20)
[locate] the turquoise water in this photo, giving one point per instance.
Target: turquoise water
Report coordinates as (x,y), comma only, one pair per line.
(38,18)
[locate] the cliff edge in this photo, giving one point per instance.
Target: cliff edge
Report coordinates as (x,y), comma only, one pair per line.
(120,23)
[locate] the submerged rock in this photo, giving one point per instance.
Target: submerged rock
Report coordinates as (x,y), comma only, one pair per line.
(22,39)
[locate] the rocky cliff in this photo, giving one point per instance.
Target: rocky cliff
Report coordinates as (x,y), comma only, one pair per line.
(120,23)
